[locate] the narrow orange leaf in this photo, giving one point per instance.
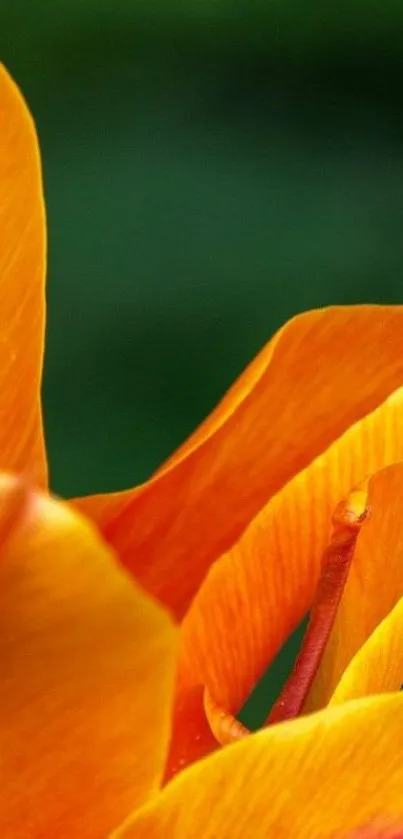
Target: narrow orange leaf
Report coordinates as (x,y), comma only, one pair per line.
(22,288)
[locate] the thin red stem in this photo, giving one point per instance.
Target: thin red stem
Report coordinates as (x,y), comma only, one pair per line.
(335,567)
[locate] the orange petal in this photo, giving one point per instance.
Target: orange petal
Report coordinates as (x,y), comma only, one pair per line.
(258,592)
(381,829)
(86,669)
(324,370)
(22,282)
(319,776)
(374,586)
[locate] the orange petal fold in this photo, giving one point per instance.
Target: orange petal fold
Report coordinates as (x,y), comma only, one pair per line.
(22,282)
(86,668)
(322,372)
(316,777)
(258,592)
(373,588)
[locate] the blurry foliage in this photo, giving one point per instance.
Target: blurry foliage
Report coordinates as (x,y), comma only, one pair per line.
(46,35)
(211,168)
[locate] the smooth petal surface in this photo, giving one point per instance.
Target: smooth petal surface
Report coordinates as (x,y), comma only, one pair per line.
(312,778)
(374,587)
(258,592)
(86,668)
(323,371)
(22,282)
(377,831)
(377,667)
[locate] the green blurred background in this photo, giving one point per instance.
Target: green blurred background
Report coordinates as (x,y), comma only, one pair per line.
(211,168)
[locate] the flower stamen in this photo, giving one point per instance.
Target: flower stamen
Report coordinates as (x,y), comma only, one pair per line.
(347,520)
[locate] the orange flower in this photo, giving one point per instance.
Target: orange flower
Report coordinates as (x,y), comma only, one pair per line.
(233,536)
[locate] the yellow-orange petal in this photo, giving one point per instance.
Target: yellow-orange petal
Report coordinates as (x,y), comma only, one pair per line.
(315,777)
(86,669)
(22,283)
(258,592)
(325,370)
(374,585)
(377,667)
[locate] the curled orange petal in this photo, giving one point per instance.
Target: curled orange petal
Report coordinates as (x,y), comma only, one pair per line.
(257,593)
(225,727)
(377,667)
(323,371)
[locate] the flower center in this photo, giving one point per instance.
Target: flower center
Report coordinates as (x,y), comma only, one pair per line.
(347,520)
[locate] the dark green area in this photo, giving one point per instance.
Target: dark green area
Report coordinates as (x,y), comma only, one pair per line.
(211,168)
(257,706)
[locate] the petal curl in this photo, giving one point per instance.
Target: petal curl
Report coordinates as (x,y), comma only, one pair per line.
(324,775)
(22,283)
(374,587)
(377,667)
(322,372)
(86,670)
(259,591)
